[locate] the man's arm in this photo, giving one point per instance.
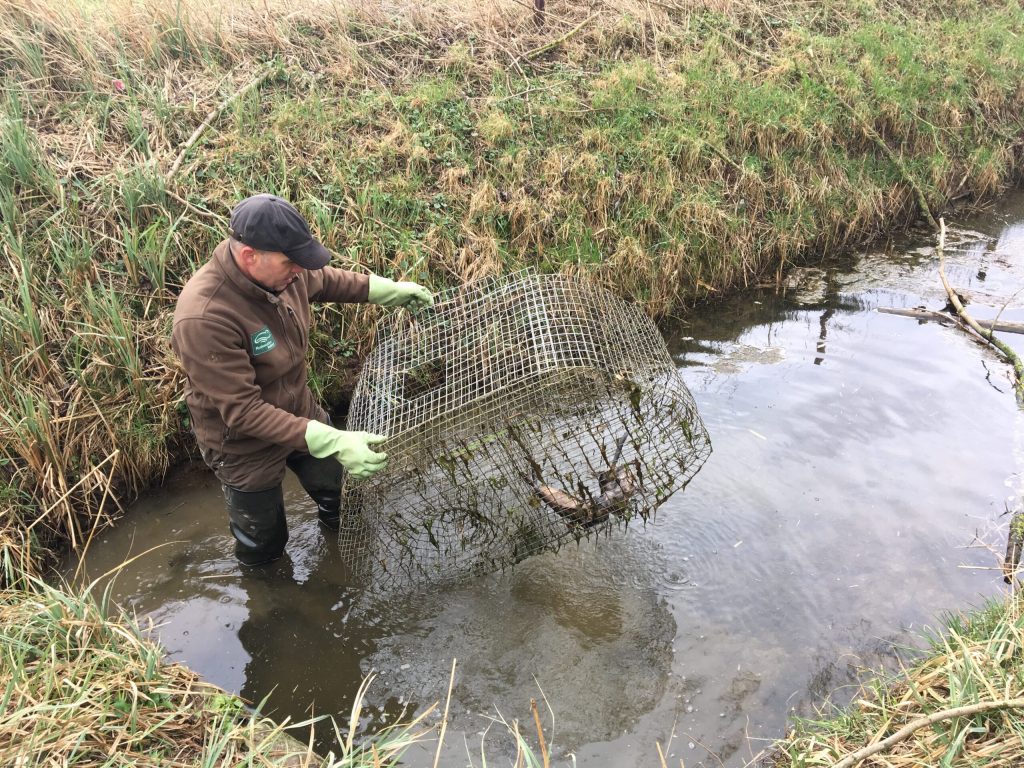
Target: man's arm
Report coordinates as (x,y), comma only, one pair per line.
(218,367)
(332,284)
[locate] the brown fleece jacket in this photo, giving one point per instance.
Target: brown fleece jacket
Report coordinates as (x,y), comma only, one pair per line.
(243,350)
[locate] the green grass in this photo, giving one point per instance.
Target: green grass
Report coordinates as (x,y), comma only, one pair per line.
(976,659)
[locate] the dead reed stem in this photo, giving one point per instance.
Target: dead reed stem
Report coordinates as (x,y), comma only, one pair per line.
(540,733)
(255,82)
(444,716)
(542,49)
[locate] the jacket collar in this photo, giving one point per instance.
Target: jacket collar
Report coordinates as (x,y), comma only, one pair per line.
(226,263)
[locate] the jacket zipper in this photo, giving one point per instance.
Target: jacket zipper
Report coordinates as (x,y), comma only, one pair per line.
(295,322)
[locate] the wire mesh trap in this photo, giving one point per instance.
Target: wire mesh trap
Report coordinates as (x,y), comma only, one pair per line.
(521,412)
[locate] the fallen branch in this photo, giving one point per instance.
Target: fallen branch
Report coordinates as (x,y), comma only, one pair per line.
(214,114)
(946,714)
(942,317)
(1009,354)
(555,43)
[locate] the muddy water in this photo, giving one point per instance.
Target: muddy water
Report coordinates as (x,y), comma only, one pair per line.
(859,458)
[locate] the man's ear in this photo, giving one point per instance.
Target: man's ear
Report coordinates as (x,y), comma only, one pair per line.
(246,254)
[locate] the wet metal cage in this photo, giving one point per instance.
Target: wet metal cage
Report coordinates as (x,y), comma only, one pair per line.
(521,412)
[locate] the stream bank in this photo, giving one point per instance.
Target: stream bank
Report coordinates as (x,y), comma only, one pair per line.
(668,152)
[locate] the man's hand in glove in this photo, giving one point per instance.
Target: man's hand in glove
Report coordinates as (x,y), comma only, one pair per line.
(351,449)
(406,294)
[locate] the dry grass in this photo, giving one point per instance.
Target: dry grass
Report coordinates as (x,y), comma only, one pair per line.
(976,661)
(83,688)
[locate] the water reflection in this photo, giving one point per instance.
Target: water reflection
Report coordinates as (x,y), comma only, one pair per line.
(584,626)
(304,649)
(292,635)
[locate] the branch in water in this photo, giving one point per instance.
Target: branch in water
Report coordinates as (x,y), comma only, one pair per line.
(1009,354)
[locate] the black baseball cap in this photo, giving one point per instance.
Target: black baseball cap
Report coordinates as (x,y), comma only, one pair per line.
(270,223)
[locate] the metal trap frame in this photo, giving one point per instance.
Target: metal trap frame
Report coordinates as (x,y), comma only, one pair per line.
(522,412)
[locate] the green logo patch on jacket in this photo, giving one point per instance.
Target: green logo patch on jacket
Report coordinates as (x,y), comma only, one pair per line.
(262,341)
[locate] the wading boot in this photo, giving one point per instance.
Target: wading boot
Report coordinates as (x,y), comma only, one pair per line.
(328,509)
(321,479)
(258,524)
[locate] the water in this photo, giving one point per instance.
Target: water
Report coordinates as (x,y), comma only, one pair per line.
(862,466)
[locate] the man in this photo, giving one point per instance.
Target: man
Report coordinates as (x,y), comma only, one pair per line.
(241,329)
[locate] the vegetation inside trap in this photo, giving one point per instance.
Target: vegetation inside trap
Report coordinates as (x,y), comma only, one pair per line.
(670,150)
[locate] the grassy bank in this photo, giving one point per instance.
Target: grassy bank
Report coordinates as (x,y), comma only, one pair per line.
(670,150)
(83,688)
(965,697)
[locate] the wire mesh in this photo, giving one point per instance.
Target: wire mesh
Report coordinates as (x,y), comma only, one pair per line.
(521,412)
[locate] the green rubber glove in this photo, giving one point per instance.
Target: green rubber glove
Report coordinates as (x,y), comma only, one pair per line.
(351,449)
(406,294)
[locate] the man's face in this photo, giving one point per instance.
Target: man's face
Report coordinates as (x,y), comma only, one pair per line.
(273,270)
